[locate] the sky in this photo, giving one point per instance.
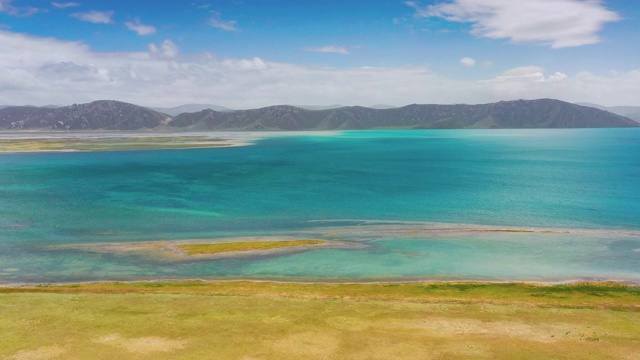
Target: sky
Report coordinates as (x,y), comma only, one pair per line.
(252,53)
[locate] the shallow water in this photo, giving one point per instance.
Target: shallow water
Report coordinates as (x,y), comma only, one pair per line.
(304,185)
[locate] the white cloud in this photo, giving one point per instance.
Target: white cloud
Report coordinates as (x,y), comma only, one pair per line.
(558,76)
(7,7)
(64,5)
(558,23)
(36,70)
(167,50)
(329,49)
(96,17)
(139,28)
(468,62)
(535,73)
(217,22)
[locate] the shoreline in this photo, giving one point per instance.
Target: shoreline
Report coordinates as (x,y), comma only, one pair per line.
(577,295)
(437,282)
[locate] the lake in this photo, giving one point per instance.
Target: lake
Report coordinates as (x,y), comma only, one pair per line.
(495,205)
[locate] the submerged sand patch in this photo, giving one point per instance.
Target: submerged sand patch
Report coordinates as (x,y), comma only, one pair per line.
(338,234)
(376,229)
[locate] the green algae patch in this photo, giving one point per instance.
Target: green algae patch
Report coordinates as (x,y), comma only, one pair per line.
(208,249)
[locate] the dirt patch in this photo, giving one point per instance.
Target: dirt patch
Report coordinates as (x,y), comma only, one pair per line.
(313,344)
(41,353)
(348,323)
(512,329)
(143,345)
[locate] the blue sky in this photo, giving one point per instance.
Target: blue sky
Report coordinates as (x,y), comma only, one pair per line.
(252,53)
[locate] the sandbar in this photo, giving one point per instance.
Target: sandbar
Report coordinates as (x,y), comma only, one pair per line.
(204,249)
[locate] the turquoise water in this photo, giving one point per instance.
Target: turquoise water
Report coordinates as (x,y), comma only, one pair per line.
(558,179)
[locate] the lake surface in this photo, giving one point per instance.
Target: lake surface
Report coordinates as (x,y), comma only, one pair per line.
(580,190)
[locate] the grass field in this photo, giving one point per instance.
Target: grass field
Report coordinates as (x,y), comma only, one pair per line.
(264,320)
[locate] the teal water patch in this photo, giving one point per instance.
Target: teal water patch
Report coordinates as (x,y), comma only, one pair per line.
(575,179)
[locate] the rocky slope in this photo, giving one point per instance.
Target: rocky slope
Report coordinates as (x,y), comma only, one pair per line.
(104,114)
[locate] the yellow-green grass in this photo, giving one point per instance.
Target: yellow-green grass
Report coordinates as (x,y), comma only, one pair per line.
(207,249)
(262,320)
(110,144)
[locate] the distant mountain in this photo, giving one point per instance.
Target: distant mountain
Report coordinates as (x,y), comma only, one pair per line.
(544,113)
(382,106)
(114,115)
(104,114)
(32,106)
(173,111)
(318,107)
(632,112)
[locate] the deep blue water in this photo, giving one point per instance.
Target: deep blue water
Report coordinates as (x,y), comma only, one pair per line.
(564,179)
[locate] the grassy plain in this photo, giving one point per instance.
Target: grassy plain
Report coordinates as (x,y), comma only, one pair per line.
(267,320)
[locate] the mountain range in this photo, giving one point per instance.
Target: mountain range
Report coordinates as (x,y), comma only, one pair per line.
(115,115)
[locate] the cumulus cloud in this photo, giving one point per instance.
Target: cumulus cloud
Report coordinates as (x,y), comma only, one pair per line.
(467,62)
(96,17)
(36,70)
(139,28)
(329,49)
(217,22)
(557,23)
(64,5)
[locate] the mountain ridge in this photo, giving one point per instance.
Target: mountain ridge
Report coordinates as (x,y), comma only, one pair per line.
(631,112)
(115,115)
(542,113)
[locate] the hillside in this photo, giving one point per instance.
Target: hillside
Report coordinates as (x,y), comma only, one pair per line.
(114,115)
(544,113)
(187,108)
(104,114)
